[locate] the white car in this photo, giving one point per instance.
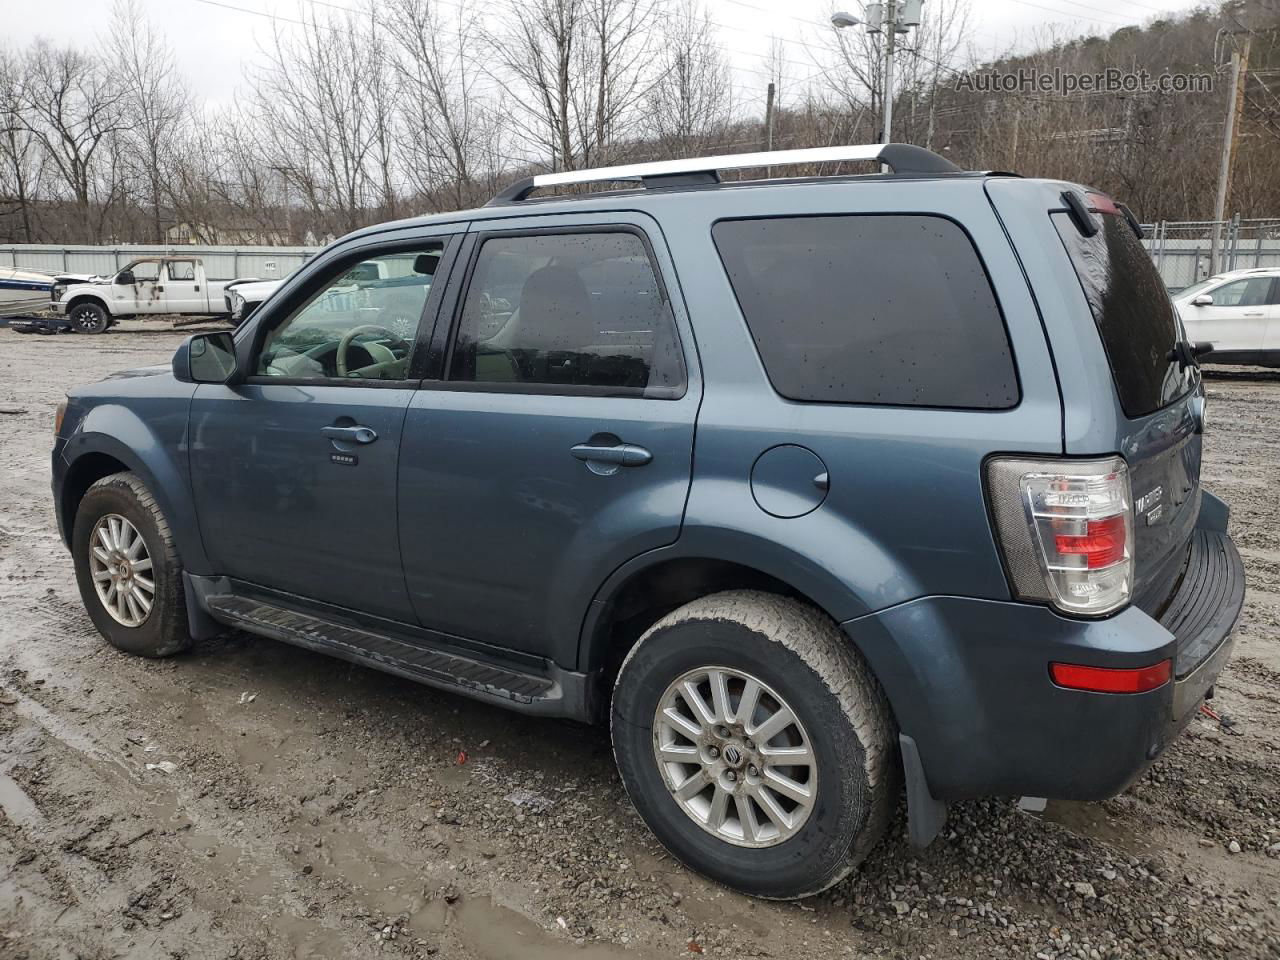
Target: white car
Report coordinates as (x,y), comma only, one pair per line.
(1237,312)
(244,296)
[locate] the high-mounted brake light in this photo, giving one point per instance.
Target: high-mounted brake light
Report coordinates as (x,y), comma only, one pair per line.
(1101,203)
(1111,679)
(1066,530)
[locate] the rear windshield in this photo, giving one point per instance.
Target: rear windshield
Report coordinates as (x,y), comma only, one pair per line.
(1132,310)
(875,309)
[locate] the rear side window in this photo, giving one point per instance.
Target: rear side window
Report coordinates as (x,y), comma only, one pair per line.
(870,309)
(1132,310)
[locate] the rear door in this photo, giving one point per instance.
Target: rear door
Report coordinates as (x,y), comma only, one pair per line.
(556,441)
(181,287)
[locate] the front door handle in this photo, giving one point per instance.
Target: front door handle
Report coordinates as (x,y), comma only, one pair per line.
(356,434)
(617,454)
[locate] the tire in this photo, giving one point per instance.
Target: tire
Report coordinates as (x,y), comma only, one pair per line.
(163,630)
(805,661)
(88,317)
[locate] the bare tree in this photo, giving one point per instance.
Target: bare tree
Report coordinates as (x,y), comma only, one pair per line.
(155,98)
(691,102)
(20,157)
(313,114)
(580,68)
(441,109)
(76,105)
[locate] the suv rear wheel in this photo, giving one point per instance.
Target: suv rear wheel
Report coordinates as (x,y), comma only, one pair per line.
(755,743)
(128,570)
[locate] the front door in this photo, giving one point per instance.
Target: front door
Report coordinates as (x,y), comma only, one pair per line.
(294,471)
(1237,318)
(144,294)
(182,289)
(557,443)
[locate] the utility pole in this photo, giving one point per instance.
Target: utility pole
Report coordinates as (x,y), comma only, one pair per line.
(768,118)
(891,17)
(1230,135)
(890,38)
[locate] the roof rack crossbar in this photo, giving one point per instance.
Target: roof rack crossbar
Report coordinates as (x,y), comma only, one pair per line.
(903,158)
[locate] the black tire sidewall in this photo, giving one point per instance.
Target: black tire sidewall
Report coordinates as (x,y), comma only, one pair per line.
(156,636)
(822,849)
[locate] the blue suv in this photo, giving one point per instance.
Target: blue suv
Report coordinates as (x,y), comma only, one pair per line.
(813,489)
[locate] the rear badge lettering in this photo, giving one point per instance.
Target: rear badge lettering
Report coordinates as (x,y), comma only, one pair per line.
(346,459)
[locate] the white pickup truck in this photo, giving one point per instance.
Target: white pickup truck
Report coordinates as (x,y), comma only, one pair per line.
(150,285)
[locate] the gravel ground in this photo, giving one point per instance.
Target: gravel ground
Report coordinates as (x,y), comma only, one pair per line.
(253,800)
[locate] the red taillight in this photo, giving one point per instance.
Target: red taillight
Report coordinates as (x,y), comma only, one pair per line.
(1111,679)
(1102,543)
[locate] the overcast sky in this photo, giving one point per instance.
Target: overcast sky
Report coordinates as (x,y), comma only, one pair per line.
(214,42)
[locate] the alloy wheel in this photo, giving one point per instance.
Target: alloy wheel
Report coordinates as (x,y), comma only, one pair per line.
(120,565)
(735,756)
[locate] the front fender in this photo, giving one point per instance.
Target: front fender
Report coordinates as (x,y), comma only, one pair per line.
(156,450)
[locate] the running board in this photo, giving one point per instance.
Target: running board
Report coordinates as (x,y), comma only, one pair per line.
(437,668)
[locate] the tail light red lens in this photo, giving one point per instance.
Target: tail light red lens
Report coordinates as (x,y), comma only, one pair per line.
(1074,676)
(1101,545)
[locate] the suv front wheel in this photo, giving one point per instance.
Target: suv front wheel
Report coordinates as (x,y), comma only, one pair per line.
(755,743)
(128,570)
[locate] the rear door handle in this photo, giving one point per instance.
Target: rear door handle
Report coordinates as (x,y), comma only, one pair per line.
(355,434)
(618,454)
(1258,313)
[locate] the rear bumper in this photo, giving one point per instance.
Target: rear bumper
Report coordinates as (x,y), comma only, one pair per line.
(969,681)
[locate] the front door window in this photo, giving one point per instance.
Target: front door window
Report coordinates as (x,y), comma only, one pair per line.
(361,325)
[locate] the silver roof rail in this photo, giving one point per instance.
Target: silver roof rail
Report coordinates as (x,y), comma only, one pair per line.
(903,158)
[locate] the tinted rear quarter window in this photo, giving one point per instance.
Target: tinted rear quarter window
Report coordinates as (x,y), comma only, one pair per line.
(874,309)
(1131,309)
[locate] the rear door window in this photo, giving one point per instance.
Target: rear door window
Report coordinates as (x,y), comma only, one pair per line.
(568,313)
(1131,309)
(874,309)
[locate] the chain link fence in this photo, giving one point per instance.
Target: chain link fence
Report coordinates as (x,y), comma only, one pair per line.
(1188,251)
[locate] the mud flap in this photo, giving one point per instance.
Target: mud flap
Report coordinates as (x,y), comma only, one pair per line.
(926,815)
(200,624)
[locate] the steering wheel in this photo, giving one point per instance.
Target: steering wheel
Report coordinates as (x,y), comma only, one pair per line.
(377,368)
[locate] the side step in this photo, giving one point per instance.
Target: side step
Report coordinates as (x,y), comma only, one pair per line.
(434,667)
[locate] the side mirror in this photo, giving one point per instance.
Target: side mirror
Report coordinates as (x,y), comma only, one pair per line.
(1204,300)
(206,358)
(125,278)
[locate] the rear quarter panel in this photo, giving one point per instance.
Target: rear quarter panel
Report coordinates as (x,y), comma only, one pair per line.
(1162,449)
(905,515)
